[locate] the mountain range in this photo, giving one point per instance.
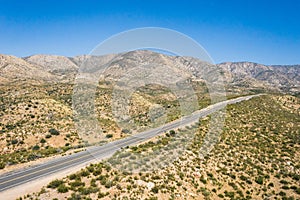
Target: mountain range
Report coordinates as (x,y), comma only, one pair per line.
(237,75)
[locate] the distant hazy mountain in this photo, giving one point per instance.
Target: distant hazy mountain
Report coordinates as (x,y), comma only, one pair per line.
(238,75)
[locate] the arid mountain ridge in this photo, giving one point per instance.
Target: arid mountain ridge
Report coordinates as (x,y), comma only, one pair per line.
(53,68)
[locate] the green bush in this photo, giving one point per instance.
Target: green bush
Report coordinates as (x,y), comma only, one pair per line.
(55,183)
(77,183)
(62,188)
(154,190)
(48,136)
(259,180)
(271,184)
(14,141)
(75,196)
(89,190)
(285,187)
(281,193)
(2,165)
(172,132)
(284,182)
(53,131)
(229,194)
(74,176)
(84,173)
(203,180)
(36,147)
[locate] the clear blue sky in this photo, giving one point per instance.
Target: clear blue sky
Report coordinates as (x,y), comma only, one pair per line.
(266,32)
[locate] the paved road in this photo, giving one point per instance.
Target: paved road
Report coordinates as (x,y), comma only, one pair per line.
(20,177)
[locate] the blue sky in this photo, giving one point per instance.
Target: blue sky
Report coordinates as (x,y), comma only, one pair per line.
(266,32)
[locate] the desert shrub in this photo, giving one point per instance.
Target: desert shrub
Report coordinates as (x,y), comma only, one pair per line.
(155,189)
(62,188)
(259,180)
(14,141)
(2,165)
(244,178)
(74,176)
(53,131)
(126,131)
(75,196)
(204,191)
(285,187)
(36,147)
(32,157)
(77,183)
(89,190)
(84,173)
(97,172)
(293,187)
(172,132)
(281,193)
(90,168)
(101,195)
(42,140)
(229,194)
(284,182)
(109,136)
(271,184)
(296,177)
(203,180)
(55,183)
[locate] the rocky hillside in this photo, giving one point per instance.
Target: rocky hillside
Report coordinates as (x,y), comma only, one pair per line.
(247,74)
(239,75)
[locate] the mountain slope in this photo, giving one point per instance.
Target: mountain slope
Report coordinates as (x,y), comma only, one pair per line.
(283,78)
(13,69)
(238,75)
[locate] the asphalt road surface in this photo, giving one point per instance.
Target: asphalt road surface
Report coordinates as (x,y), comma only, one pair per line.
(23,176)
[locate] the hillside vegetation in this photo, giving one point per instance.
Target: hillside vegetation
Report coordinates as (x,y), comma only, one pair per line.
(257,157)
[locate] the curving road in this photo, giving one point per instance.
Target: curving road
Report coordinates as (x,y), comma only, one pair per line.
(23,176)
